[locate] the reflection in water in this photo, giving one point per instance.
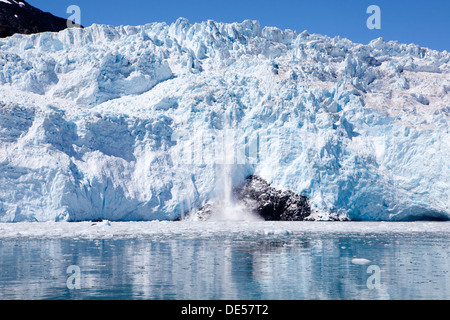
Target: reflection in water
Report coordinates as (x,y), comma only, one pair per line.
(275,268)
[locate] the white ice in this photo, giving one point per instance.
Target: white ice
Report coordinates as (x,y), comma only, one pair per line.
(122,123)
(164,230)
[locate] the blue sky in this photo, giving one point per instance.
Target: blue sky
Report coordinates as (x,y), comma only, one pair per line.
(425,23)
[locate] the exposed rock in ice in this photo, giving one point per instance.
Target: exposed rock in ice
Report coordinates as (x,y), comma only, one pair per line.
(272,204)
(255,197)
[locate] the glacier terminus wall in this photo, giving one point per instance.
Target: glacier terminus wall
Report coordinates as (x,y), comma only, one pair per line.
(139,122)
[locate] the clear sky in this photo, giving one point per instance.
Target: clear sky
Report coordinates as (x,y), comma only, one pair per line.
(424,22)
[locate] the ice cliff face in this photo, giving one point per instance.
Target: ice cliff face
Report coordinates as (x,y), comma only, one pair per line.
(136,123)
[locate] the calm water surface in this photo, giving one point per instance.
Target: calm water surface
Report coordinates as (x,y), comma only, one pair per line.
(275,267)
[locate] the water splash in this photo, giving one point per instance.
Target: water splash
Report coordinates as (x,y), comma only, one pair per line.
(228,208)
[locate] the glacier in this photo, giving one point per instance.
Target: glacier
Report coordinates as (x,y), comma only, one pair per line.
(136,123)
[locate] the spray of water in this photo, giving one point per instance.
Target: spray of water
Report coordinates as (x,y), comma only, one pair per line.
(228,208)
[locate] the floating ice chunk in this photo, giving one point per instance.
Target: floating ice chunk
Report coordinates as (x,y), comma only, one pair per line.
(360,261)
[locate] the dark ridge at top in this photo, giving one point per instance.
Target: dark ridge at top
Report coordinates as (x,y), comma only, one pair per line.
(17,16)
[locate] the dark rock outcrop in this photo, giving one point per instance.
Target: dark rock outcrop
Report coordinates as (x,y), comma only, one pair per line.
(270,203)
(205,212)
(256,195)
(17,16)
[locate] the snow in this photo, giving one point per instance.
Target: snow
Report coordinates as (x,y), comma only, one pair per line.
(12,2)
(127,123)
